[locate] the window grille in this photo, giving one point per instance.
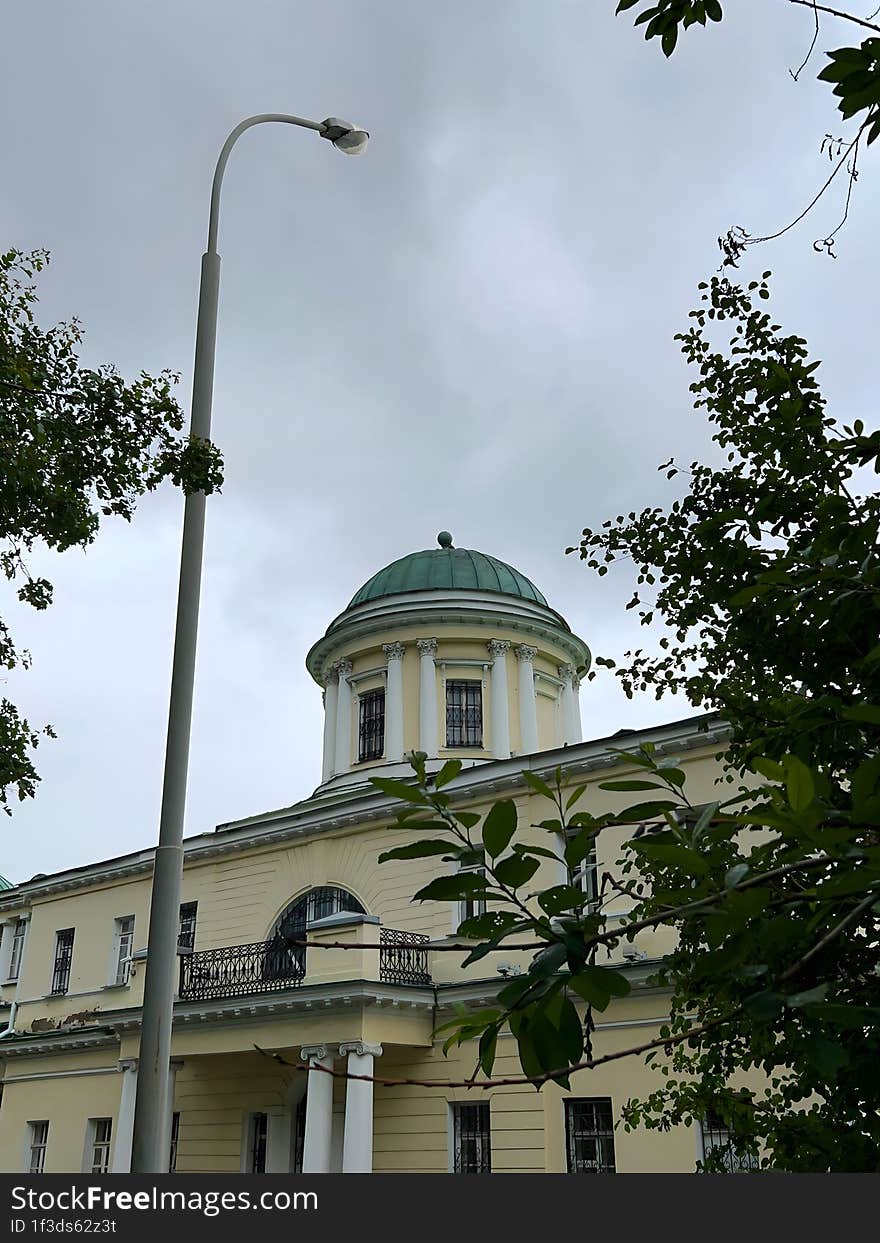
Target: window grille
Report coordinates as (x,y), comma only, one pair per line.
(464,714)
(39,1141)
(124,943)
(259,1135)
(284,958)
(186,936)
(63,956)
(471,1139)
(299,1136)
(175,1136)
(371,726)
(716,1134)
(589,1136)
(17,948)
(101,1129)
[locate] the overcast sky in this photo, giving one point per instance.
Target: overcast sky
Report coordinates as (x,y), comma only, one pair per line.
(468,328)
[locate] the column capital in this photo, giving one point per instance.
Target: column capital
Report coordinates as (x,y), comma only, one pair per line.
(331,674)
(498,647)
(566,672)
(316,1052)
(394,651)
(427,647)
(127,1063)
(176,1063)
(524,652)
(342,668)
(361,1048)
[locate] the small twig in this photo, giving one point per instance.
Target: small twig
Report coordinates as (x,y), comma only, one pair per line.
(803,63)
(849,17)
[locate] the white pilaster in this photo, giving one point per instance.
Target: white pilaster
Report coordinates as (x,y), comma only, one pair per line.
(577,732)
(173,1067)
(278,1134)
(498,649)
(567,706)
(331,696)
(394,701)
(357,1144)
(319,1110)
(528,704)
(125,1117)
(343,717)
(428,740)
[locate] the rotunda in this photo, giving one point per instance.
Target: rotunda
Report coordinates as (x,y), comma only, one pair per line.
(451,652)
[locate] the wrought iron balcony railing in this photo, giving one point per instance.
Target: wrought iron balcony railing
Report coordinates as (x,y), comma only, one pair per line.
(237,970)
(270,966)
(403,958)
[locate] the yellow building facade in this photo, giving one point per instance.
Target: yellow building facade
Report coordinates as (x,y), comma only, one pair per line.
(447,651)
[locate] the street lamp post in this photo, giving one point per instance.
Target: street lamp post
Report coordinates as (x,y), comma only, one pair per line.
(152,1117)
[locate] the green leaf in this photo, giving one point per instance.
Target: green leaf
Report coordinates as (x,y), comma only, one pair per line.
(574,797)
(811,997)
(515,870)
(764,1006)
(768,768)
(870,713)
(452,888)
(687,861)
(547,962)
(447,773)
(499,827)
(799,784)
(537,784)
(597,985)
(416,850)
(734,875)
(488,1044)
(630,785)
(713,10)
(561,898)
(826,1056)
(399,789)
(669,39)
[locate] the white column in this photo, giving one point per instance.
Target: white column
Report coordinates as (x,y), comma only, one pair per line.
(343,717)
(125,1117)
(394,701)
(566,672)
(498,649)
(528,704)
(428,740)
(577,732)
(331,696)
(357,1144)
(319,1110)
(173,1067)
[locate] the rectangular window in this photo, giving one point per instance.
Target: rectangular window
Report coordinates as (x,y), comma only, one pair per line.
(39,1138)
(464,714)
(470,907)
(63,957)
(371,725)
(589,1136)
(175,1135)
(186,936)
(299,1136)
(471,1139)
(715,1134)
(15,957)
(123,944)
(100,1129)
(586,875)
(258,1131)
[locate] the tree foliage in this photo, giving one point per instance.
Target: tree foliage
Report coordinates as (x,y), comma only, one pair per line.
(853,71)
(78,444)
(766,576)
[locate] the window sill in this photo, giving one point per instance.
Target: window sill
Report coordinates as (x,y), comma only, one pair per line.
(112,987)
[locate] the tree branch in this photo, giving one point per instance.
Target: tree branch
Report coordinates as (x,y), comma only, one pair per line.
(848,17)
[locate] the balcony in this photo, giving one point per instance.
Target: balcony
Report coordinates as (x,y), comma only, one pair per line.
(272,966)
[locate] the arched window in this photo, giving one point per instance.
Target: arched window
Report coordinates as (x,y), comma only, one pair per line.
(284,959)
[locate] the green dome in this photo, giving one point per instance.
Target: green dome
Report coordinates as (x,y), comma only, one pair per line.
(6,884)
(448,569)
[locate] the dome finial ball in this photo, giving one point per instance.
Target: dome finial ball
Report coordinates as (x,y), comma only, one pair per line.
(444,539)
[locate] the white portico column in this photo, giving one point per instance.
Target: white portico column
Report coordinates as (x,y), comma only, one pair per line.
(319,1110)
(567,707)
(528,704)
(343,717)
(125,1117)
(394,701)
(357,1144)
(331,697)
(498,649)
(428,741)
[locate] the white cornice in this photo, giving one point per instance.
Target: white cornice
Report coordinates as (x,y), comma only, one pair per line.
(352,809)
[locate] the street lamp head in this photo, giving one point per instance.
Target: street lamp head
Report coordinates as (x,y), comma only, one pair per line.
(346,137)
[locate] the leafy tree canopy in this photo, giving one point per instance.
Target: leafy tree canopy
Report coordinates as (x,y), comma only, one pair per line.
(78,444)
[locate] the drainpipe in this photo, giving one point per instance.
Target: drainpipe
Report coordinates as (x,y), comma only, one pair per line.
(9,1029)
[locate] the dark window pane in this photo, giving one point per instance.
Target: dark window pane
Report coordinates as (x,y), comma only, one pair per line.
(371,727)
(471,1139)
(589,1136)
(63,956)
(464,714)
